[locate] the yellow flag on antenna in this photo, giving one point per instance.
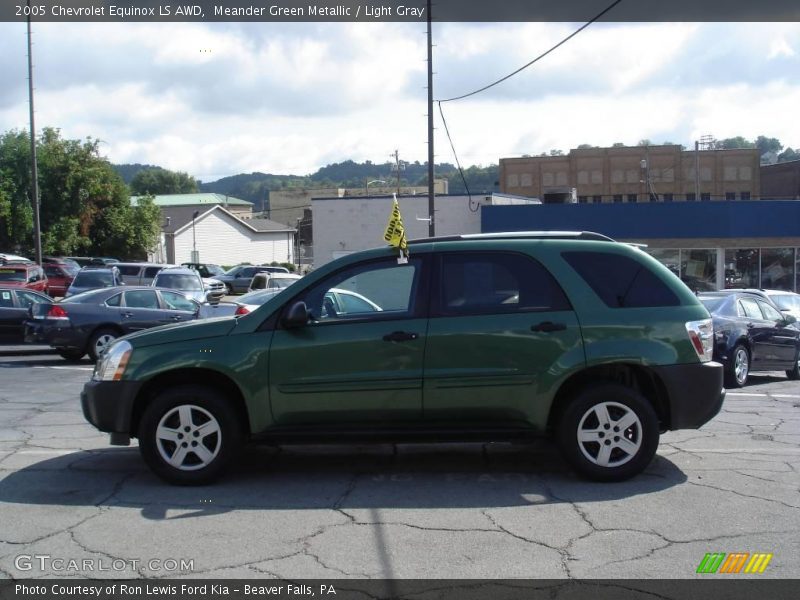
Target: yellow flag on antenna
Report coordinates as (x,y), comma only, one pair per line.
(395,234)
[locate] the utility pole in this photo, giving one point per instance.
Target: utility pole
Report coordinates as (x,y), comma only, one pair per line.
(398,166)
(431,210)
(37,234)
(697,171)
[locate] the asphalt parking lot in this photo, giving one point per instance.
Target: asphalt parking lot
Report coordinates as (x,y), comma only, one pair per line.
(452,511)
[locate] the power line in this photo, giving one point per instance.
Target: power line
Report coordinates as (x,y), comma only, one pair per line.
(538,58)
(458,164)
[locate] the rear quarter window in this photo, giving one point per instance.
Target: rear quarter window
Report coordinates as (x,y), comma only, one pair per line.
(621,281)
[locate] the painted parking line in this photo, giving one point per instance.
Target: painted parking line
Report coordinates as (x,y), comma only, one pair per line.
(64,368)
(754,395)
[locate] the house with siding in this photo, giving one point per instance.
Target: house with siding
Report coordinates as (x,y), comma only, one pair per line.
(220,237)
(221,228)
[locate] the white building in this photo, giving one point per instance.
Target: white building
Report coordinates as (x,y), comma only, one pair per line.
(222,238)
(348,224)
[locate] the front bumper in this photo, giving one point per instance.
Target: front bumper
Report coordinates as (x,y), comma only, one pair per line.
(695,393)
(108,405)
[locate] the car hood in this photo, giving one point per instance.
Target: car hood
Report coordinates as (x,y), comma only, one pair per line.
(182,332)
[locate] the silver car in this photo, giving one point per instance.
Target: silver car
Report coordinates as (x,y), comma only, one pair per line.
(186,281)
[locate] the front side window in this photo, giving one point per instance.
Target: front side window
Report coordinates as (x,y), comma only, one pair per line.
(178,302)
(770,313)
(377,289)
(141,299)
(485,283)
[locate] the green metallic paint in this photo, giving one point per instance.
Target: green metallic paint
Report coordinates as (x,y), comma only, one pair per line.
(491,372)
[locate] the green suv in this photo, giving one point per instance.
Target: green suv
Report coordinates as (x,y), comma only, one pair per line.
(486,337)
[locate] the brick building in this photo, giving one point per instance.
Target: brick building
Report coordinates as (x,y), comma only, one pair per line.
(636,174)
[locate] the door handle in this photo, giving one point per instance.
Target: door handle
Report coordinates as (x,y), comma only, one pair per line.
(127,314)
(548,326)
(750,325)
(175,318)
(400,336)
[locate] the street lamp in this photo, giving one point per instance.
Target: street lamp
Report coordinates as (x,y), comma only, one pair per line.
(195,256)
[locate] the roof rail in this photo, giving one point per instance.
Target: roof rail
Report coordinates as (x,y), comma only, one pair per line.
(519,235)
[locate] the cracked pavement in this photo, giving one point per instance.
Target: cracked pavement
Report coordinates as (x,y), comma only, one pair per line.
(383,511)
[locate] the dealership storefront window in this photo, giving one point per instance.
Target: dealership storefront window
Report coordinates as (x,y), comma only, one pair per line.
(768,268)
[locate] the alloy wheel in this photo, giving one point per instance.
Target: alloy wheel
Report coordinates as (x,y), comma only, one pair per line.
(741,365)
(609,434)
(188,437)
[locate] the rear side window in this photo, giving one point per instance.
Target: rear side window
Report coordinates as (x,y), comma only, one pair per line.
(151,272)
(621,281)
(488,283)
(129,270)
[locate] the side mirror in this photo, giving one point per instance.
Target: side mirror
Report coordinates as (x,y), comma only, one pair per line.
(790,319)
(297,316)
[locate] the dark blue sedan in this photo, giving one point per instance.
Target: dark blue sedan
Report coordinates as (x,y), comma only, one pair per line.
(751,334)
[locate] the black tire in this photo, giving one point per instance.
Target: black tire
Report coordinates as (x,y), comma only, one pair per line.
(737,369)
(794,374)
(228,289)
(195,408)
(99,340)
(628,453)
(71,355)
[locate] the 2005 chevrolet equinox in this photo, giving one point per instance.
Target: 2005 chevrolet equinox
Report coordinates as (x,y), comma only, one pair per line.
(484,337)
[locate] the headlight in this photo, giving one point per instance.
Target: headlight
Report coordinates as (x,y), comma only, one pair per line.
(111,365)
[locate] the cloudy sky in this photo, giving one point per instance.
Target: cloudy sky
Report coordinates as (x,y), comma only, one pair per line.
(216,99)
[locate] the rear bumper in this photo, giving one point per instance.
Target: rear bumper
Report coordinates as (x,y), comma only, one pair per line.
(695,393)
(108,405)
(43,332)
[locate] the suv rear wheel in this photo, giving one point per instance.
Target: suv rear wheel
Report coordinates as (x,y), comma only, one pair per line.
(188,434)
(608,432)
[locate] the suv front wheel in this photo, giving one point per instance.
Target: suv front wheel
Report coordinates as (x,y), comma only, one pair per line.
(608,432)
(188,434)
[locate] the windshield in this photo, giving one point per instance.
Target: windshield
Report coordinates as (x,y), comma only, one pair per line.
(12,275)
(786,301)
(93,279)
(215,270)
(176,281)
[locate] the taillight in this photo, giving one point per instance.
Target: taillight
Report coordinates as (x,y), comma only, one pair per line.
(56,312)
(242,310)
(701,334)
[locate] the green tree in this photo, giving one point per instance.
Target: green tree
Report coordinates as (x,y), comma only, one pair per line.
(16,210)
(84,204)
(789,154)
(765,144)
(733,143)
(156,180)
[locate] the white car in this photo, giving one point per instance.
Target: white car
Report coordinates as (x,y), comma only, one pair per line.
(272,281)
(788,302)
(337,302)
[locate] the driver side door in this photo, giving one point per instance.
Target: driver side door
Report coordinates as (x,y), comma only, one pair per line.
(357,366)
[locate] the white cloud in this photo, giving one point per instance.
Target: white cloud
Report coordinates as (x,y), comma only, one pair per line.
(218,99)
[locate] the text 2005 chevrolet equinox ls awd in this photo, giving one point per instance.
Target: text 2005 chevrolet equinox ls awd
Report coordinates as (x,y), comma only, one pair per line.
(485,337)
